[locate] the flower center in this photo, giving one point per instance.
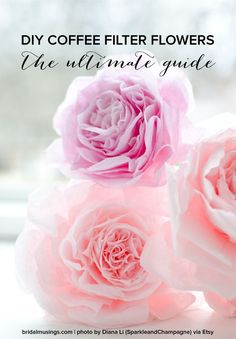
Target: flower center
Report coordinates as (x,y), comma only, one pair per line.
(120,255)
(223,178)
(115,118)
(108,112)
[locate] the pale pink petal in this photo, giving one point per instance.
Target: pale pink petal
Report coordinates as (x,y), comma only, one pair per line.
(225,307)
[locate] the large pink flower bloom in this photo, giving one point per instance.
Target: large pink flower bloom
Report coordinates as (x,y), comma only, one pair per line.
(122,126)
(204,216)
(85,255)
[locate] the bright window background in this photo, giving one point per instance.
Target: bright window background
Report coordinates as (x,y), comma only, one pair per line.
(29,99)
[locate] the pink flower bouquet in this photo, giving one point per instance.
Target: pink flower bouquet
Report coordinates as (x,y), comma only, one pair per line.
(105,255)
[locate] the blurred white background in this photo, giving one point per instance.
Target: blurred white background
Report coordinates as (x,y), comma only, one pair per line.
(29,98)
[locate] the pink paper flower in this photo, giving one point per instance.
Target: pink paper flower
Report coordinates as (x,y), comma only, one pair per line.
(204,215)
(85,255)
(122,126)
